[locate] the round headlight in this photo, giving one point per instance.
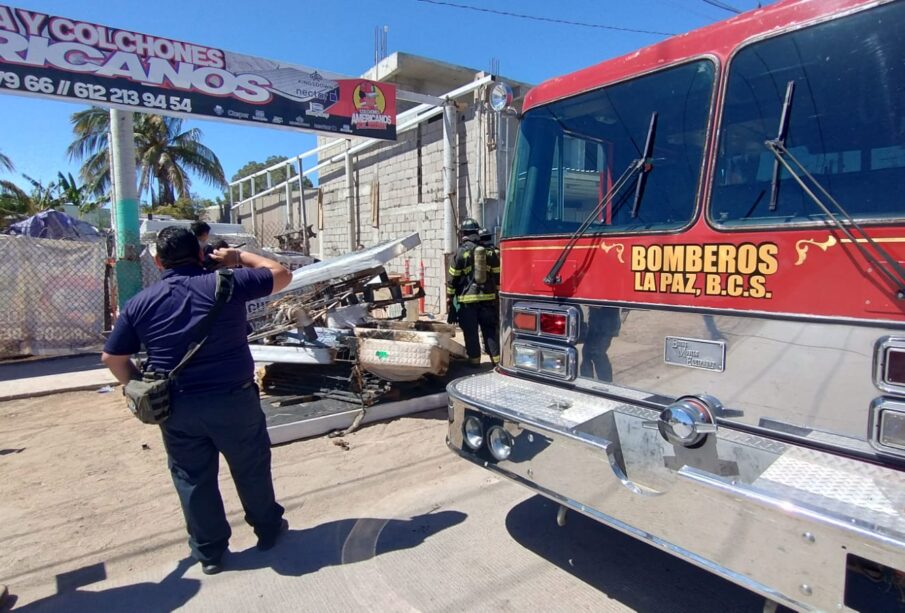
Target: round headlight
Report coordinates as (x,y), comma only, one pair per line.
(500,96)
(500,443)
(474,432)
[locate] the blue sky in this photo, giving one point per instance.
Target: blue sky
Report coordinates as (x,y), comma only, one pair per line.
(338,36)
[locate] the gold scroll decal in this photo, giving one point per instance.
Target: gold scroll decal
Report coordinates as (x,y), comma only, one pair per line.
(803,245)
(619,247)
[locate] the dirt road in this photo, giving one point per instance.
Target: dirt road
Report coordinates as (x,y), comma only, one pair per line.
(89,521)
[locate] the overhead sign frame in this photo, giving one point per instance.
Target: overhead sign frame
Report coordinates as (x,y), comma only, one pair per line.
(66,59)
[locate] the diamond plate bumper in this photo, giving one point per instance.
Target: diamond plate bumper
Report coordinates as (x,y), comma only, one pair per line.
(775,518)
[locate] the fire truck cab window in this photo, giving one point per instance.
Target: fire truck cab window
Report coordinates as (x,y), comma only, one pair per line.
(846,123)
(571,152)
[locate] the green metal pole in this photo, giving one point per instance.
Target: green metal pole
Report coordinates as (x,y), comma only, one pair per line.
(128,245)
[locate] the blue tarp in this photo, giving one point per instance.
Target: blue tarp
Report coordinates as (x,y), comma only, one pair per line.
(54,224)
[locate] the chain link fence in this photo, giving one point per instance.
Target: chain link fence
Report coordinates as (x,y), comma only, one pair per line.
(54,296)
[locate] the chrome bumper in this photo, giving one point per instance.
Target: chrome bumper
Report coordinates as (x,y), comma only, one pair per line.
(777,519)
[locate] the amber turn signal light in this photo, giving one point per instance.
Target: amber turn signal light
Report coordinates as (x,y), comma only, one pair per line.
(525,321)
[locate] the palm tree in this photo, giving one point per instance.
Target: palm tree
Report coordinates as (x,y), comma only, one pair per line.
(6,163)
(79,195)
(14,201)
(164,155)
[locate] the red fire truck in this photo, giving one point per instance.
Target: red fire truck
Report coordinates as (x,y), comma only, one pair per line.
(703,301)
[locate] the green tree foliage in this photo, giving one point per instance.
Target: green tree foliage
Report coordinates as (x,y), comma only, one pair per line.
(72,193)
(184,208)
(276,177)
(165,154)
(15,201)
(53,195)
(6,186)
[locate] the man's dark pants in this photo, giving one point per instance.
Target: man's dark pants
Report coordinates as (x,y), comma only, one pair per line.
(201,427)
(483,316)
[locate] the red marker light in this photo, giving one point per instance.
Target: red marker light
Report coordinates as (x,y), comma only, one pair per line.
(553,323)
(525,321)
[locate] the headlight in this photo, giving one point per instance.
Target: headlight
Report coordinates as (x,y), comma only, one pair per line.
(500,96)
(525,356)
(555,362)
(500,443)
(474,432)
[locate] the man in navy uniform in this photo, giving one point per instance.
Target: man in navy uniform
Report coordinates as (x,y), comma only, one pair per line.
(214,400)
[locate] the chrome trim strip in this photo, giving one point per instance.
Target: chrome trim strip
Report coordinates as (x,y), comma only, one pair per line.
(652,306)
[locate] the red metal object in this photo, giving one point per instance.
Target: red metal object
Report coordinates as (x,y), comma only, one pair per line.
(717,39)
(406,287)
(423,287)
(800,271)
(803,271)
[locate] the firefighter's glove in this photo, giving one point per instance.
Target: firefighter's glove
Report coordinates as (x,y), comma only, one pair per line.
(452,315)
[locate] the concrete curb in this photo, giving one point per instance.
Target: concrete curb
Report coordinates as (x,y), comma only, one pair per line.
(82,387)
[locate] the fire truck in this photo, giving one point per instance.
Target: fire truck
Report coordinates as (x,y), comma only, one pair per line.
(703,302)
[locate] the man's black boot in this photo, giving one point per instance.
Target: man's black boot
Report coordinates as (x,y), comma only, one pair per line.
(267,542)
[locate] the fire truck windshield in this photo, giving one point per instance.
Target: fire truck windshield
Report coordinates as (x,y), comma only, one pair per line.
(846,124)
(571,153)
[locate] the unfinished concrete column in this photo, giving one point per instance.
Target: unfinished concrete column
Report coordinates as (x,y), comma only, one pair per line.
(290,222)
(450,199)
(303,212)
(350,197)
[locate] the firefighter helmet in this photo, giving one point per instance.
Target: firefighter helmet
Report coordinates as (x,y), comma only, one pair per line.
(469,226)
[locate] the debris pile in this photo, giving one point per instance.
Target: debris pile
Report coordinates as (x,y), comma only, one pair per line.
(322,341)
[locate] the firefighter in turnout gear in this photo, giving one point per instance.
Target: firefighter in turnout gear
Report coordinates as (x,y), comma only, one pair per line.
(472,292)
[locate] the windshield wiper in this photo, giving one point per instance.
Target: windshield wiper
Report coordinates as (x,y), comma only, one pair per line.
(643,165)
(889,267)
(781,138)
(647,155)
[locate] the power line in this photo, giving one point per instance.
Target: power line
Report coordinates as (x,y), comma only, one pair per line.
(723,5)
(547,19)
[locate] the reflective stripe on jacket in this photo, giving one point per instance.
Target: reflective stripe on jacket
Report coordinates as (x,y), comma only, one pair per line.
(461,281)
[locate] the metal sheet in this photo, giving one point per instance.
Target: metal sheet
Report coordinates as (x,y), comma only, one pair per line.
(283,433)
(292,355)
(351,263)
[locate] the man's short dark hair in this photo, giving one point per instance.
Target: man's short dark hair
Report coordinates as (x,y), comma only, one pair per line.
(200,228)
(176,246)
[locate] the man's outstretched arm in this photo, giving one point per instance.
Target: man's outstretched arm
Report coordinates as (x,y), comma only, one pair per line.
(122,367)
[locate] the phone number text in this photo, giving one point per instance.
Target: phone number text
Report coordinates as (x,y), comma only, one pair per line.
(94,92)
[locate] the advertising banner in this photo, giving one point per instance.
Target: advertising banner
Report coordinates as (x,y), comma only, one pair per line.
(56,57)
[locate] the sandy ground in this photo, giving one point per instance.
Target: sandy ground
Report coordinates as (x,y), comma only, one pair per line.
(89,521)
(85,483)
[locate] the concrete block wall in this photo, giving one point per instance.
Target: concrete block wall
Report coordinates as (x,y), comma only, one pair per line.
(404,205)
(270,212)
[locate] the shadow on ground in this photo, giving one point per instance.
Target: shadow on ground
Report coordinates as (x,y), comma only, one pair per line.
(298,552)
(624,568)
(172,592)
